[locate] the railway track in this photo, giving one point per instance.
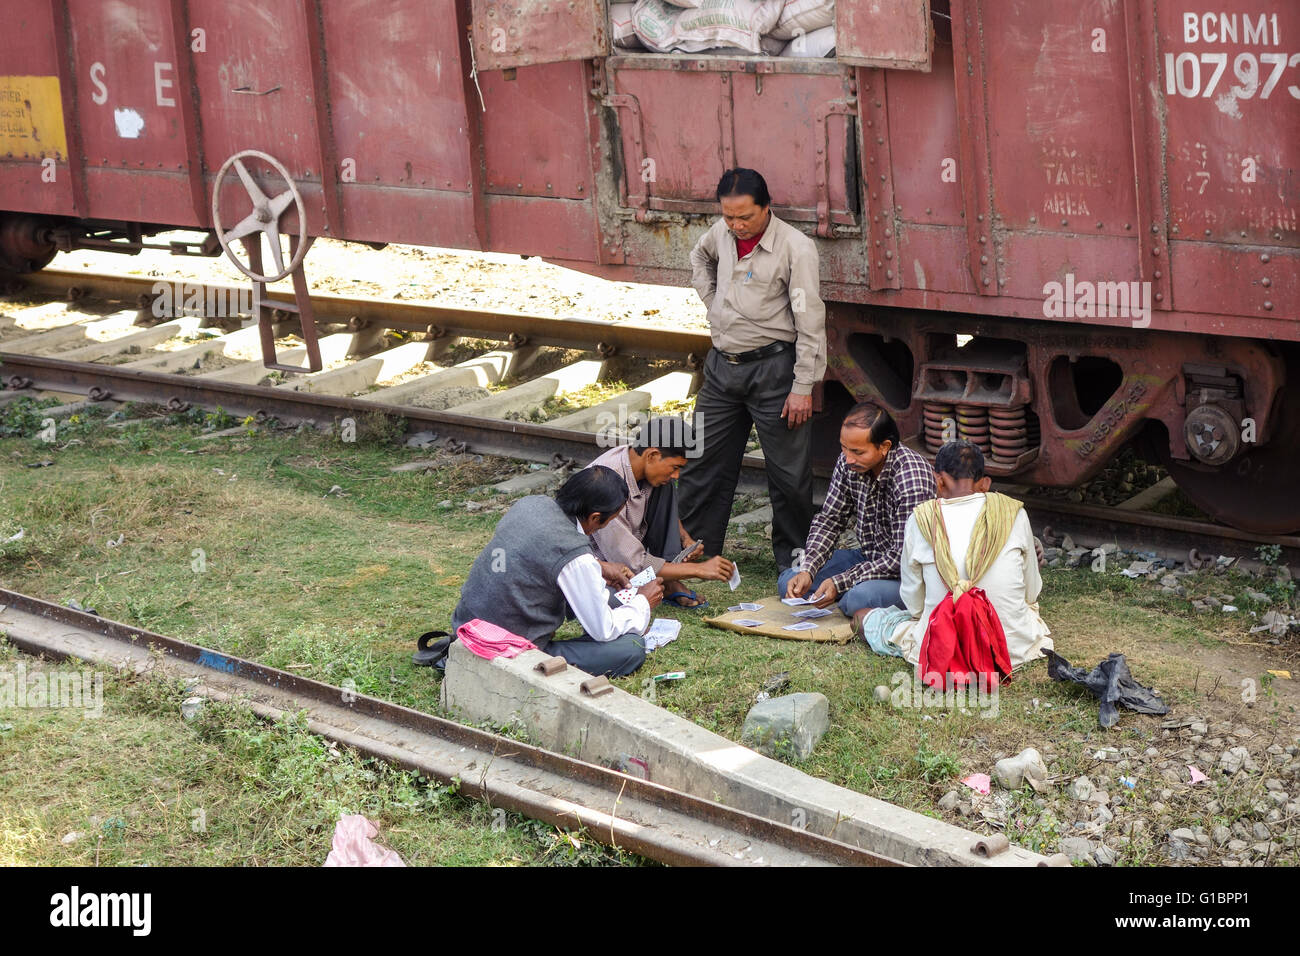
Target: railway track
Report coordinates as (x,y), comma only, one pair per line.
(620,811)
(61,357)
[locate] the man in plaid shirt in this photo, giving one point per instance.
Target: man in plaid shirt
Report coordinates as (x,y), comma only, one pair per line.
(876,483)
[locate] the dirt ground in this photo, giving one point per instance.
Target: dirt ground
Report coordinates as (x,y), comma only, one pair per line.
(446,276)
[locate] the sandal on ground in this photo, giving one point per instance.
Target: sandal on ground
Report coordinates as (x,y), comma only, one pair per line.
(432,649)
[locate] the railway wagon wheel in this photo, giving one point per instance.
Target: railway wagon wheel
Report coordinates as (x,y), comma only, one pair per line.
(265,217)
(1259,490)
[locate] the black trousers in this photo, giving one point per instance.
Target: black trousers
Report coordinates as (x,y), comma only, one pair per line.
(732,398)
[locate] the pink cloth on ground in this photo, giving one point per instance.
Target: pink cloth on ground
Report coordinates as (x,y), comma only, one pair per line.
(488,641)
(353,845)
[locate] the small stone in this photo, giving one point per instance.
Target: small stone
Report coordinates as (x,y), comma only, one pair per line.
(1077,849)
(1105,856)
(948,802)
(1212,601)
(1278,797)
(1102,816)
(445,503)
(965,808)
(1067,543)
(1199,727)
(1259,597)
(71,838)
(1178,850)
(1263,849)
(1182,833)
(472,506)
(1214,807)
(1203,839)
(1232,760)
(1261,832)
(794,721)
(1237,846)
(1158,808)
(1012,772)
(1080,789)
(1220,835)
(1272,783)
(881,694)
(1151,752)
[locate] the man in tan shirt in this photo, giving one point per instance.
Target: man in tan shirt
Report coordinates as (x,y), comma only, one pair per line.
(647,532)
(759,278)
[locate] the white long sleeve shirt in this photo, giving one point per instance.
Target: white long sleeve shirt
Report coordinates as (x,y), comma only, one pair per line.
(1012,584)
(584,589)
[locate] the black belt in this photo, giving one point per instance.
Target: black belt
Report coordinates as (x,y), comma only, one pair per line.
(775,348)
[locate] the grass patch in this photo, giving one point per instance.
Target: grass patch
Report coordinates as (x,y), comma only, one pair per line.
(138,785)
(307,553)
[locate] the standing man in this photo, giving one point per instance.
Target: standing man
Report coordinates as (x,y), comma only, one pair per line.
(759,278)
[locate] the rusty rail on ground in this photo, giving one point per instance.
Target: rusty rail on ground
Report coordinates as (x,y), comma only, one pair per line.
(619,810)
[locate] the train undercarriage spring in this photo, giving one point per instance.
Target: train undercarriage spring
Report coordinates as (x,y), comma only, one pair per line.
(1002,433)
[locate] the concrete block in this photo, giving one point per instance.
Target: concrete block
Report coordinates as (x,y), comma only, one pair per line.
(759,516)
(680,754)
(531,483)
(792,724)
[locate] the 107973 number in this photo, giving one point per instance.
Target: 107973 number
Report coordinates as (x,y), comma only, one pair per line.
(1193,74)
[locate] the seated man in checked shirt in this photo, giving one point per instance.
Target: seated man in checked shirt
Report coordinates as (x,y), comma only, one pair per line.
(876,483)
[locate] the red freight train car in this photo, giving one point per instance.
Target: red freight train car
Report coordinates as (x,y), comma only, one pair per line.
(1102,193)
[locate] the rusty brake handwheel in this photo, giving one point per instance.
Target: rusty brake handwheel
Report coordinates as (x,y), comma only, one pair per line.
(264,218)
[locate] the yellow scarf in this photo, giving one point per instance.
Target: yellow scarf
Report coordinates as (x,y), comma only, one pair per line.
(992,528)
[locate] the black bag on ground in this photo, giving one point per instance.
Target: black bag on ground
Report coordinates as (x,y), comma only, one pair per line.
(1112,683)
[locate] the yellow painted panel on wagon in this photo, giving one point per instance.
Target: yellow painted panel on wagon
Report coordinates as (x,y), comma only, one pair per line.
(31,118)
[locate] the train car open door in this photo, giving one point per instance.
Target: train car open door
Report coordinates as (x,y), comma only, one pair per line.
(891,34)
(513,33)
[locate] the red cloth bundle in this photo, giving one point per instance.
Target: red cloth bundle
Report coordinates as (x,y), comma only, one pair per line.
(964,639)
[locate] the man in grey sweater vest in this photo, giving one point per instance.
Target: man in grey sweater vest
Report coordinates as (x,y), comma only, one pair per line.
(539,569)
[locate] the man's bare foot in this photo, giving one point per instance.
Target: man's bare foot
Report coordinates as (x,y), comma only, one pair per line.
(685,599)
(858,617)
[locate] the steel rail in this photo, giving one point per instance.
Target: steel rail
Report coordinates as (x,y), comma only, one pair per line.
(528,441)
(650,341)
(488,436)
(619,810)
(1145,530)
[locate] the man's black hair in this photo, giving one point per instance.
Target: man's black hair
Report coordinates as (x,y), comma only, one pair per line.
(673,436)
(597,490)
(880,423)
(744,182)
(960,459)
